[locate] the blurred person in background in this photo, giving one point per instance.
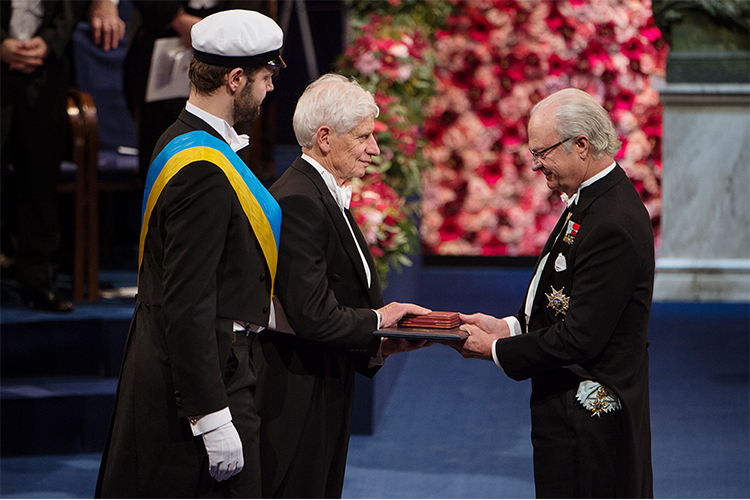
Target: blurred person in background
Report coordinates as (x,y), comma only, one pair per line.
(36,38)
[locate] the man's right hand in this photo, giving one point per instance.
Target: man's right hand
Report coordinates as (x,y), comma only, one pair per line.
(483,330)
(224,449)
(183,24)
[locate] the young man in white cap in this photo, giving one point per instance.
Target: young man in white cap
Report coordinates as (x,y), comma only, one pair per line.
(184,422)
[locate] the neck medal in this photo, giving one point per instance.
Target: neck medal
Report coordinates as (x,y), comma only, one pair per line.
(570,232)
(558,301)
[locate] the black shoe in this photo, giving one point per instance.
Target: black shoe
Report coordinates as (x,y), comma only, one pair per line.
(49,300)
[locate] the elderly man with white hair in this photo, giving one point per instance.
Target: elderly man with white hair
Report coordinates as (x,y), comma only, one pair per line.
(329,288)
(581,332)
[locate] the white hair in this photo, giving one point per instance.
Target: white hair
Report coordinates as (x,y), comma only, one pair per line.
(578,113)
(335,101)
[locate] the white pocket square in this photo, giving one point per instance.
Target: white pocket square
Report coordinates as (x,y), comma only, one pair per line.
(560,263)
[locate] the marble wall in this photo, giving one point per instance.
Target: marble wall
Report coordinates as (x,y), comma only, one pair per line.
(705,252)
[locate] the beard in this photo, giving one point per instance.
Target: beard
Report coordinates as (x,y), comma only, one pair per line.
(246,106)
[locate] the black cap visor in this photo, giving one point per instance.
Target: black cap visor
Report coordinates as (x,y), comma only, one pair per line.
(272,58)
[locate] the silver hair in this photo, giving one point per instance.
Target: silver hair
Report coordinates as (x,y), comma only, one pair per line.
(578,113)
(335,101)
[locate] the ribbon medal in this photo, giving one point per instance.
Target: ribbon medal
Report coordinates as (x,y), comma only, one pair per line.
(558,301)
(570,232)
(596,398)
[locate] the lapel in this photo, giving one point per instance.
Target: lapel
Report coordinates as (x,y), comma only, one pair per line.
(339,222)
(586,198)
(48,11)
(375,290)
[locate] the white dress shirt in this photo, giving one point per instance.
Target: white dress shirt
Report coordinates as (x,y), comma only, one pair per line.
(25,18)
(227,132)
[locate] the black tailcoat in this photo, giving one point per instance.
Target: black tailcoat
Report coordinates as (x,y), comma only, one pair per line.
(306,381)
(608,277)
(202,269)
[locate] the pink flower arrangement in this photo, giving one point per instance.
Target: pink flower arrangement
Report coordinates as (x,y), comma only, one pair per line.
(455,81)
(503,57)
(380,214)
(391,55)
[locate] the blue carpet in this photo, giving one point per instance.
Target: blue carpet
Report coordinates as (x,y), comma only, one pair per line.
(456,428)
(61,476)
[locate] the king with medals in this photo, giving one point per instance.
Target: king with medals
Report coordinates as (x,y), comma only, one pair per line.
(580,335)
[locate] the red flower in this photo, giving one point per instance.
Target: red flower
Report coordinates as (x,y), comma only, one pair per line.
(624,99)
(633,48)
(451,230)
(491,173)
(650,31)
(559,66)
(494,247)
(380,127)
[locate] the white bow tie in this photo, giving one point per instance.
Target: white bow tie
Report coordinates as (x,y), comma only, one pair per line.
(569,200)
(344,196)
(240,142)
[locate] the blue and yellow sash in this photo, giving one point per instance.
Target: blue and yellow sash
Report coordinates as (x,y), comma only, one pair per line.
(262,211)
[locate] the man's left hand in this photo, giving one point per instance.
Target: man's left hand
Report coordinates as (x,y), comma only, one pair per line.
(391,313)
(483,331)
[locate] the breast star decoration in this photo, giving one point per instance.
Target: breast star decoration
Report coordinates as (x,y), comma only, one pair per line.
(558,301)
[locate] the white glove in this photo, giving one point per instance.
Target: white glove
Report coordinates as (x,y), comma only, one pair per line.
(224,449)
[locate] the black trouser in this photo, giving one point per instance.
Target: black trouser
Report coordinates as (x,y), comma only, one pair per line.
(34,128)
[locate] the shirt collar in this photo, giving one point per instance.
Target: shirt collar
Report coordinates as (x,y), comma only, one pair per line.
(572,200)
(342,195)
(236,142)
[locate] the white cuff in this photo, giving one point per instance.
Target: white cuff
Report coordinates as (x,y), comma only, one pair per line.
(378,315)
(494,354)
(379,359)
(514,325)
(515,329)
(210,422)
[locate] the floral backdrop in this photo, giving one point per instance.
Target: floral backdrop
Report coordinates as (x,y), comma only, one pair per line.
(455,81)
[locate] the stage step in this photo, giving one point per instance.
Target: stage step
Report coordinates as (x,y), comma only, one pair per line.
(55,415)
(58,372)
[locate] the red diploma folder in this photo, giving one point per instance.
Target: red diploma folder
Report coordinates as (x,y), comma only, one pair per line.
(435,326)
(435,319)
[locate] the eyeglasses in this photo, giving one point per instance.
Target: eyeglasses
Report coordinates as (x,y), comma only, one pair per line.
(541,155)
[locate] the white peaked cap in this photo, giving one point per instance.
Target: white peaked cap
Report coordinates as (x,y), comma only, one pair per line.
(238,38)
